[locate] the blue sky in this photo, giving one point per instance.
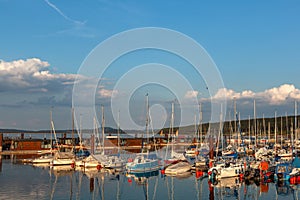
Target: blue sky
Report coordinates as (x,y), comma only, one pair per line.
(254,44)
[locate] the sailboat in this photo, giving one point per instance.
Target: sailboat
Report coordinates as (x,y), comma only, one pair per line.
(225,170)
(177,163)
(201,160)
(174,157)
(112,162)
(143,163)
(90,162)
(178,168)
(46,158)
(62,158)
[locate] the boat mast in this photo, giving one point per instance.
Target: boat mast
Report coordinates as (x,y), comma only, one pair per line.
(80,133)
(93,138)
(118,131)
(281,131)
(195,129)
(147,121)
(73,139)
(102,126)
(287,125)
(269,132)
(296,135)
(230,128)
(234,115)
(264,127)
(221,128)
(240,132)
(51,129)
(172,126)
(249,130)
(275,129)
(254,117)
(200,122)
(292,135)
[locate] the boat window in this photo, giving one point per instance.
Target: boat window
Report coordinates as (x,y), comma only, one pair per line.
(139,160)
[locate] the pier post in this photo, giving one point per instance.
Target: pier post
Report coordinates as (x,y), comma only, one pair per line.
(91,184)
(211,192)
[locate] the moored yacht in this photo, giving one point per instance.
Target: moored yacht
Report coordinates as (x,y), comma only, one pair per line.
(63,158)
(142,164)
(178,168)
(226,170)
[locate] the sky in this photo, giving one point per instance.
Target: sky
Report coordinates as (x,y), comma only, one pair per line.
(254,45)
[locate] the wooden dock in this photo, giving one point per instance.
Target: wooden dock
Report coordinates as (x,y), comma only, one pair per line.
(24,152)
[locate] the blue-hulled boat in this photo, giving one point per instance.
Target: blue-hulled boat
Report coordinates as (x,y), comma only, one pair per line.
(143,163)
(282,171)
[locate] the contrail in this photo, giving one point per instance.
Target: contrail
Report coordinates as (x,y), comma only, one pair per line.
(62,14)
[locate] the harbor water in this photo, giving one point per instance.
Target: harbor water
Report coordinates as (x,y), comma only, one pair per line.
(26,181)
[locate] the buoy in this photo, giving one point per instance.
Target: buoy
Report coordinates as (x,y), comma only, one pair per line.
(298,179)
(73,165)
(130,160)
(268,174)
(199,174)
(293,180)
(129,180)
(241,176)
(210,164)
(162,171)
(99,167)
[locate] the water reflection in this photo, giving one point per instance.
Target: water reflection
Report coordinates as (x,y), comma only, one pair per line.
(0,164)
(43,182)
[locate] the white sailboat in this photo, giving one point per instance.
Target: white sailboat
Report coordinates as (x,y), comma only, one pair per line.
(44,159)
(174,156)
(225,170)
(178,168)
(62,158)
(203,148)
(107,161)
(47,158)
(90,162)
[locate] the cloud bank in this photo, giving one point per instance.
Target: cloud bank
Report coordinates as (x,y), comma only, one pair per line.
(273,96)
(191,94)
(33,81)
(31,75)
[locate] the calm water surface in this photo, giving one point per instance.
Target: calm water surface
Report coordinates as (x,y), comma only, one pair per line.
(19,181)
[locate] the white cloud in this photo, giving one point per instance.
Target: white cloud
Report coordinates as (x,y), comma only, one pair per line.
(105,93)
(280,94)
(274,96)
(191,94)
(31,75)
(231,94)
